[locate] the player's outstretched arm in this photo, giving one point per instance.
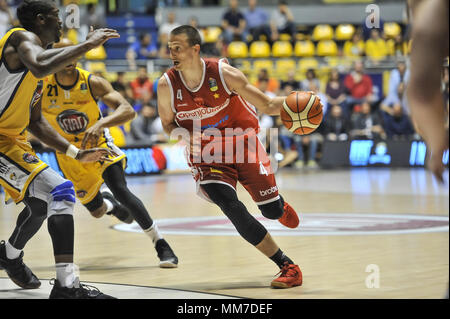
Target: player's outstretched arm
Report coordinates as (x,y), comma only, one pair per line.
(42,62)
(428,50)
(236,81)
(123,111)
(47,134)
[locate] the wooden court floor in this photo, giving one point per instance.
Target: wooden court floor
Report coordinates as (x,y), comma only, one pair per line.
(364,233)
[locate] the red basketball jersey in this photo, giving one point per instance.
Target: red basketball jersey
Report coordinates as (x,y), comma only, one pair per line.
(212,102)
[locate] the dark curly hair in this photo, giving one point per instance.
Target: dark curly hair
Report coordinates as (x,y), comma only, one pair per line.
(29,9)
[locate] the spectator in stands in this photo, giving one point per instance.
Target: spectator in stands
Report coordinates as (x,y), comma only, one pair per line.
(282,21)
(397,46)
(376,48)
(94,17)
(257,21)
(311,78)
(147,127)
(168,26)
(6,18)
(398,125)
(291,81)
(355,47)
(142,89)
(193,22)
(233,24)
(273,84)
(337,125)
(336,92)
(142,49)
(398,79)
(358,84)
(123,87)
(367,125)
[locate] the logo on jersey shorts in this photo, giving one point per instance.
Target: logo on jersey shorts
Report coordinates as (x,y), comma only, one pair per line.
(81,193)
(30,158)
(213,85)
(13,176)
(72,121)
(268,191)
(201,112)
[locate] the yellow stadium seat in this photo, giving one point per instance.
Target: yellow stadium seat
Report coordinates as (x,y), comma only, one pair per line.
(237,50)
(259,49)
(327,48)
(212,34)
(284,65)
(262,64)
(98,53)
(72,35)
(282,49)
(322,32)
(304,48)
(96,67)
(392,29)
(344,32)
(118,136)
(285,37)
(307,63)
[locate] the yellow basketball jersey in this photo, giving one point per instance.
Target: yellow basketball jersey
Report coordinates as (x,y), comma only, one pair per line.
(71,110)
(16,94)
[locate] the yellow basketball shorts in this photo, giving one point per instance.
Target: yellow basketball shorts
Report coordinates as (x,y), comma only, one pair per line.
(87,177)
(19,165)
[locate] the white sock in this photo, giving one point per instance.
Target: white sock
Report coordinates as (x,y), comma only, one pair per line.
(11,252)
(109,205)
(67,274)
(153,233)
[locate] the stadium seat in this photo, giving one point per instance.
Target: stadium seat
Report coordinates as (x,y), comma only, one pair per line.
(259,49)
(285,37)
(307,63)
(212,34)
(392,29)
(304,48)
(72,35)
(327,48)
(262,64)
(96,67)
(237,50)
(322,32)
(344,32)
(283,66)
(98,53)
(282,49)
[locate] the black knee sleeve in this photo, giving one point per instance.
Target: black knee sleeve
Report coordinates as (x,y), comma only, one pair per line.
(95,203)
(273,210)
(29,221)
(61,229)
(246,225)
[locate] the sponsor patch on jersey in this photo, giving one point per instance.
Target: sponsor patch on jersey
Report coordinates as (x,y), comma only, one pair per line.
(201,112)
(30,158)
(83,88)
(72,121)
(213,84)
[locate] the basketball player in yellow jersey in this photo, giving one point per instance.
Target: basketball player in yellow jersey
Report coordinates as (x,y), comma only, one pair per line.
(69,103)
(23,60)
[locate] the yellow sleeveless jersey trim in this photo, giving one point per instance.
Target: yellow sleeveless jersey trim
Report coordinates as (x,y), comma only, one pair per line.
(17,88)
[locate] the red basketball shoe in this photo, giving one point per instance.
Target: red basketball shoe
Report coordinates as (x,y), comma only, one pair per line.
(291,276)
(289,218)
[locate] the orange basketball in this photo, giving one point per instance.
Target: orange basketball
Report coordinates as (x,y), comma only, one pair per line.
(301,112)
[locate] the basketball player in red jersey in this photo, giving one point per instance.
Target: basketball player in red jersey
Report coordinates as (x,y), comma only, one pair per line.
(202,94)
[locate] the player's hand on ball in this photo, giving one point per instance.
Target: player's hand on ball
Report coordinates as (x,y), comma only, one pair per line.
(95,155)
(99,36)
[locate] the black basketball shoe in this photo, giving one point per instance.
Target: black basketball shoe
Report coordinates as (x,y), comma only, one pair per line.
(79,291)
(166,255)
(17,271)
(120,211)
